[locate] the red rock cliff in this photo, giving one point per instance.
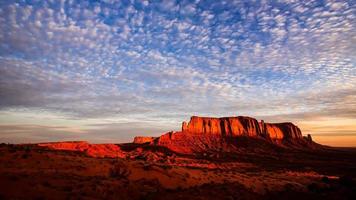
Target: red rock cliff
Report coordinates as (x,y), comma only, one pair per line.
(225,126)
(280,131)
(202,133)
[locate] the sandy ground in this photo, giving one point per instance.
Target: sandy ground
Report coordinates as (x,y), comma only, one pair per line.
(30,172)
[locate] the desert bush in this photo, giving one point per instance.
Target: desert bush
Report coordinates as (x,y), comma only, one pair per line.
(27,148)
(68,188)
(12,150)
(179,188)
(325,179)
(165,167)
(119,170)
(14,178)
(187,175)
(40,198)
(319,187)
(346,181)
(46,184)
(147,166)
(313,187)
(25,156)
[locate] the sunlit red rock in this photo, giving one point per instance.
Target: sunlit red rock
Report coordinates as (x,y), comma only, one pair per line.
(184,142)
(143,139)
(207,133)
(203,134)
(184,126)
(70,145)
(226,126)
(94,150)
(280,131)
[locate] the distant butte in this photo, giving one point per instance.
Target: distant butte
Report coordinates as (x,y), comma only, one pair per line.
(228,157)
(204,135)
(209,133)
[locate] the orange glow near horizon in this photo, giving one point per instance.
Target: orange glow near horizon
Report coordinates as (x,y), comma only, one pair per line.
(33,127)
(339,132)
(336,141)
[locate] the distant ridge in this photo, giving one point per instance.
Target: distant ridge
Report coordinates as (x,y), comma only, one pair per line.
(202,135)
(218,134)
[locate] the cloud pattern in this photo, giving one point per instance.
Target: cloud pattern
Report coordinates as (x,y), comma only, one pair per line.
(167,60)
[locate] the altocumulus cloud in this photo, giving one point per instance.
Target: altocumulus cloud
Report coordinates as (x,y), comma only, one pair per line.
(136,61)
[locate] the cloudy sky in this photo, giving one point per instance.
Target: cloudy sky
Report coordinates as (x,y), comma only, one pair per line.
(105,71)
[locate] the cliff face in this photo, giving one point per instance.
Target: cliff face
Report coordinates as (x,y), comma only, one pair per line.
(226,126)
(280,131)
(240,126)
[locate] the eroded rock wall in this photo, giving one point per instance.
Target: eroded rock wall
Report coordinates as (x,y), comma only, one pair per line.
(280,131)
(226,126)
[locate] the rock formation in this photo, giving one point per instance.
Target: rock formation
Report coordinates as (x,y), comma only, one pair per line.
(308,138)
(206,133)
(202,135)
(226,126)
(240,126)
(94,150)
(143,139)
(280,131)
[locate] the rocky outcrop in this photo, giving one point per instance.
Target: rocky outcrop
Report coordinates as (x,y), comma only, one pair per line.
(186,143)
(280,131)
(240,126)
(308,138)
(225,126)
(184,126)
(93,150)
(202,135)
(206,133)
(143,139)
(69,145)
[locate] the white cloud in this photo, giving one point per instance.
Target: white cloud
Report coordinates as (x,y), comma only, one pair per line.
(118,61)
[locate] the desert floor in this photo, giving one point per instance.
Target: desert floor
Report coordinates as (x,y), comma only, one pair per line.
(32,172)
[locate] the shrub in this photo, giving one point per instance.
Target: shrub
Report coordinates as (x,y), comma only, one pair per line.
(46,184)
(27,149)
(25,156)
(313,187)
(346,181)
(325,179)
(119,170)
(147,166)
(68,188)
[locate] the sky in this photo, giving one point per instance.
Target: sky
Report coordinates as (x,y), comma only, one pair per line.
(106,71)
